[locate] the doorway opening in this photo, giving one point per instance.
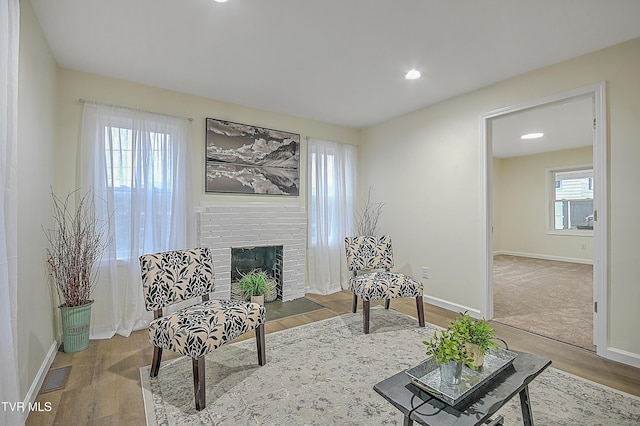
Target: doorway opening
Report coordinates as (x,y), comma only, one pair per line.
(524,235)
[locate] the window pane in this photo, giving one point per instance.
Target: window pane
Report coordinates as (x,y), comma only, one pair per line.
(124,151)
(122,219)
(118,156)
(573,203)
(576,185)
(576,214)
(323,197)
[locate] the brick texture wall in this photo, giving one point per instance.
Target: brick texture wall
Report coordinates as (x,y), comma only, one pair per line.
(226,225)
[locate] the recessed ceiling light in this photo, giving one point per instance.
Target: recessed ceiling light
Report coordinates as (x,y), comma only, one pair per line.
(412,75)
(532,136)
(220,1)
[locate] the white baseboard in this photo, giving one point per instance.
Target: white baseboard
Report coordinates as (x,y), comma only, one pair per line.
(545,257)
(30,398)
(450,306)
(622,356)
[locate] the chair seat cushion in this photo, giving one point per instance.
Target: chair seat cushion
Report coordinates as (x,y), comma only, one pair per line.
(385,285)
(198,329)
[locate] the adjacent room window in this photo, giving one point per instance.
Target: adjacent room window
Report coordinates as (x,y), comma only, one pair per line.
(572,200)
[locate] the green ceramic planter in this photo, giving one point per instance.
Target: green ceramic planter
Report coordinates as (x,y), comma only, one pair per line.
(75,327)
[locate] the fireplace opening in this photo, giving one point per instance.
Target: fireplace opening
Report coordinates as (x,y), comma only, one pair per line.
(266,258)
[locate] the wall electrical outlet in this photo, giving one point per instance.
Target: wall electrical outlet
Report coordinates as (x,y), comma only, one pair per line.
(425,272)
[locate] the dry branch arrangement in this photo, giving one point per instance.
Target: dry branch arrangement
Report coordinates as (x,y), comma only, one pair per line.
(367,217)
(77,242)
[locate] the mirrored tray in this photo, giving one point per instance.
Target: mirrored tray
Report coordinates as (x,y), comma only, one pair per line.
(426,375)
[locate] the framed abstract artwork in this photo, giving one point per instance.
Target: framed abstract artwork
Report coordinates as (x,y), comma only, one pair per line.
(246,159)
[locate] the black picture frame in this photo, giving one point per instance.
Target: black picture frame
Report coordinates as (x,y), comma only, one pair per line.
(245,159)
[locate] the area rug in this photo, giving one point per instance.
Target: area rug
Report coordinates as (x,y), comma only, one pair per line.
(323,374)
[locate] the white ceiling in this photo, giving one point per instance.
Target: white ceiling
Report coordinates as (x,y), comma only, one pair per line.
(338,61)
(565,125)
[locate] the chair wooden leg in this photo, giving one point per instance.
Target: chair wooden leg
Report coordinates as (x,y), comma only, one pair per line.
(262,353)
(155,364)
(366,304)
(420,307)
(354,304)
(199,383)
(387,303)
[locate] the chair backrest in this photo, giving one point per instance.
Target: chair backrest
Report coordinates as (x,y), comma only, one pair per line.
(174,276)
(369,252)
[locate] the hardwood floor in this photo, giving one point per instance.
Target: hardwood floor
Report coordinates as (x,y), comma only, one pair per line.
(103,387)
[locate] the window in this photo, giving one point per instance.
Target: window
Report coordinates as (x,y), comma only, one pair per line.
(572,200)
(138,163)
(322,194)
(155,174)
(331,199)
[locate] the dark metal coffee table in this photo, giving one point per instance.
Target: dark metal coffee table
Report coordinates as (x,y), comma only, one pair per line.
(419,405)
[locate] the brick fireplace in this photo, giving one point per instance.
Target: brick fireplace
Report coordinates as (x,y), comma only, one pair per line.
(224,226)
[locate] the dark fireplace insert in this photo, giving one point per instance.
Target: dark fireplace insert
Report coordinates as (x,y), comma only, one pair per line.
(267,258)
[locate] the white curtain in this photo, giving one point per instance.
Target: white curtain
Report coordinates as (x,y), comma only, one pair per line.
(331,204)
(137,166)
(9,37)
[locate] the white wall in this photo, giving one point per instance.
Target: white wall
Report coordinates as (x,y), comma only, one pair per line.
(426,167)
(520,212)
(74,85)
(37,98)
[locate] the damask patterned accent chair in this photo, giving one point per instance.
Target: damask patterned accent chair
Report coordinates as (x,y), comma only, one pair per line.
(179,275)
(365,254)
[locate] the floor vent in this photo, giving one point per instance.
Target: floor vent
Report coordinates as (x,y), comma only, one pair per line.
(56,379)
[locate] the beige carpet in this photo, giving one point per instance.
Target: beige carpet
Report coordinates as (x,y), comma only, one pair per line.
(549,298)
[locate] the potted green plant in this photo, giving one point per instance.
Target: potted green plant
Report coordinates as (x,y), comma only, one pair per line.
(255,284)
(447,348)
(77,241)
(478,335)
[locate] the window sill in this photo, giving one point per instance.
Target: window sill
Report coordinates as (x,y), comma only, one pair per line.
(572,232)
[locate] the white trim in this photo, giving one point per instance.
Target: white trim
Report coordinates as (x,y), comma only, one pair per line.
(571,232)
(545,257)
(450,306)
(486,218)
(31,395)
(600,283)
(601,225)
(623,356)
